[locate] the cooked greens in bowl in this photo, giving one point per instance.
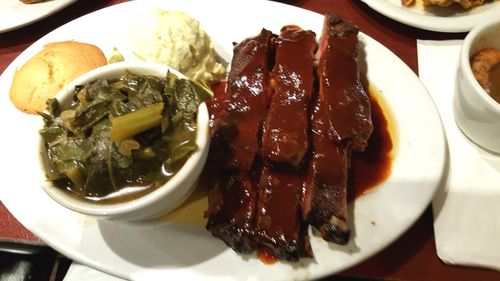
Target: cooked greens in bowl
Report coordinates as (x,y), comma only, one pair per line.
(114,139)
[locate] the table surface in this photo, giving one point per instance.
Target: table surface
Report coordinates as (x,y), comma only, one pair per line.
(412,256)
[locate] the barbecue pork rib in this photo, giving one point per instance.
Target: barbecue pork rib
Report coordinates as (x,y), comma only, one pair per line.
(235,141)
(231,210)
(248,96)
(325,193)
(285,130)
(348,104)
(280,229)
(340,122)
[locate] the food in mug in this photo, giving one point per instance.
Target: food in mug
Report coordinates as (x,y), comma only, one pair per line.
(282,144)
(41,77)
(175,39)
(121,138)
(485,66)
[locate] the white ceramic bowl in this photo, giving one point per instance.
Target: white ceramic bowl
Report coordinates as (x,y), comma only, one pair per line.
(159,201)
(476,113)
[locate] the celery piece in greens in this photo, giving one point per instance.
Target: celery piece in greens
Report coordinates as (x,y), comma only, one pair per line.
(128,125)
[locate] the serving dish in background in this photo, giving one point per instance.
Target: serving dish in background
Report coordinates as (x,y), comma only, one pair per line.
(16,14)
(441,19)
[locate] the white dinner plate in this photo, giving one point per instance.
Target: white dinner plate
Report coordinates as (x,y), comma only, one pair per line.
(438,18)
(179,248)
(15,14)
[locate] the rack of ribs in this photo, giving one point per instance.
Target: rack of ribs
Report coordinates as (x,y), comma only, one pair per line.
(281,141)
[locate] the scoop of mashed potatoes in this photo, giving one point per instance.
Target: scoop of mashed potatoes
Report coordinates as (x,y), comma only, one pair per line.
(177,40)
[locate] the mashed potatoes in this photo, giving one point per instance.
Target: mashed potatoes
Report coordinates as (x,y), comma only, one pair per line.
(175,39)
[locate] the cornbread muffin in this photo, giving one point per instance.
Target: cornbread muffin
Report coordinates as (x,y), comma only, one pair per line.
(50,70)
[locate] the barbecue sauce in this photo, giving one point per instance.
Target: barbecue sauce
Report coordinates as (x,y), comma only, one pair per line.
(266,257)
(373,166)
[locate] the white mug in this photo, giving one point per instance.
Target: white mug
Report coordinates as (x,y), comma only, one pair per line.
(476,112)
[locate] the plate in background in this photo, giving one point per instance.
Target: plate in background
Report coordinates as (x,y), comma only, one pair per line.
(15,14)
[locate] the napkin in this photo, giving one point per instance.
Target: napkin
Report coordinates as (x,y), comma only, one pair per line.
(467,206)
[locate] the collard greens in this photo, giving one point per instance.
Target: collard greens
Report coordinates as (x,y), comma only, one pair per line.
(134,131)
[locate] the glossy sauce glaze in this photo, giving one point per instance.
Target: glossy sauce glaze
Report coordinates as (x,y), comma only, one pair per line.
(248,95)
(368,168)
(340,85)
(285,130)
(235,144)
(279,224)
(325,194)
(280,228)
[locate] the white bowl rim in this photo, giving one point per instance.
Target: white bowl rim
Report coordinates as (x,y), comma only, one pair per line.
(112,209)
(465,61)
